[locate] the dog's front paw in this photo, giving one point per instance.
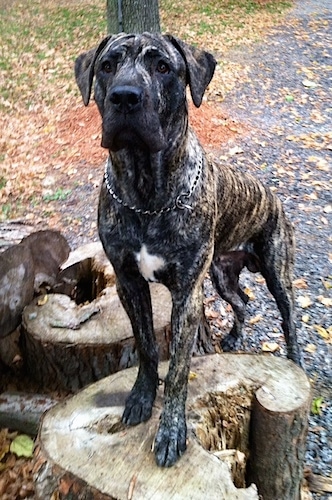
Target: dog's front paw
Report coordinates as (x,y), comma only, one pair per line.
(138,407)
(170,442)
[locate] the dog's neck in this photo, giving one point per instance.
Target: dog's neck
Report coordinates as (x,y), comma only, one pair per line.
(150,181)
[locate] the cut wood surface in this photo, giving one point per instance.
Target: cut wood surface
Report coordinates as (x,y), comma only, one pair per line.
(85,451)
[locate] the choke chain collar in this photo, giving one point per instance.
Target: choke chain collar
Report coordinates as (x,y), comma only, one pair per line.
(178,204)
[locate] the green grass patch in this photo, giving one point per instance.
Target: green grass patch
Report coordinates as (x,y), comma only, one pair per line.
(59,195)
(3,182)
(6,210)
(39,42)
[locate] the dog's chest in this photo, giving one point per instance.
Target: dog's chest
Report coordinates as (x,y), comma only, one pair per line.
(148,263)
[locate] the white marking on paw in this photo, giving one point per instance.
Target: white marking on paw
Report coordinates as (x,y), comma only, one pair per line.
(148,264)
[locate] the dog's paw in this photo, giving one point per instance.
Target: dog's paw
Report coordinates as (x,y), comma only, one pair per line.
(170,442)
(138,407)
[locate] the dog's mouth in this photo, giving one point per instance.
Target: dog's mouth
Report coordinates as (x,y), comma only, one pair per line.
(132,132)
(129,139)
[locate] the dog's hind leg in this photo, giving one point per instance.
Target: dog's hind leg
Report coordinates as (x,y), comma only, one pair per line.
(277,259)
(135,297)
(229,290)
(226,291)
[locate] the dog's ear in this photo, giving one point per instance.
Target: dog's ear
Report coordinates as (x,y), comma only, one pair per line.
(200,68)
(85,69)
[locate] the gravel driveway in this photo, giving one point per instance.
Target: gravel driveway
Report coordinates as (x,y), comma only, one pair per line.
(286,100)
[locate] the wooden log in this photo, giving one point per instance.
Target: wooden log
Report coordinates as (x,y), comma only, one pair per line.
(287,432)
(22,412)
(86,273)
(84,451)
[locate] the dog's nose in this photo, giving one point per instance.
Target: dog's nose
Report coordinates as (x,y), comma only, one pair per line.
(126,98)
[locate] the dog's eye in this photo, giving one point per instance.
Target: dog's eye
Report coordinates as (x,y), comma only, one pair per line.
(106,67)
(163,68)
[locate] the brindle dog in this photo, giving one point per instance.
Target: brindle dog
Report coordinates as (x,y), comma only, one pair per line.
(166,212)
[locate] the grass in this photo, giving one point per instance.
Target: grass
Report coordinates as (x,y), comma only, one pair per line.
(227,20)
(40,40)
(59,195)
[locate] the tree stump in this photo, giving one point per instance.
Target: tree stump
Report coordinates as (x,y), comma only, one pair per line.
(67,346)
(82,333)
(84,451)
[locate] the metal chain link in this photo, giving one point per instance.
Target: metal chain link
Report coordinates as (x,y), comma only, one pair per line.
(178,202)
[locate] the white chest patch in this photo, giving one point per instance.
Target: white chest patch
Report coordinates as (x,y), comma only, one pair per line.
(148,263)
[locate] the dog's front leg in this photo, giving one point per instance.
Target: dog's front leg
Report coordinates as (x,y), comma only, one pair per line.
(134,294)
(171,437)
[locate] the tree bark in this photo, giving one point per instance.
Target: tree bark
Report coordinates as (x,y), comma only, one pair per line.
(133,16)
(84,451)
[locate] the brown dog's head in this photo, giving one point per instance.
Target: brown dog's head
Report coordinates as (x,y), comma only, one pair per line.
(140,87)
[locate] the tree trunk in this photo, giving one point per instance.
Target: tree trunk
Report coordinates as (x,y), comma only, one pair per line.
(84,451)
(133,16)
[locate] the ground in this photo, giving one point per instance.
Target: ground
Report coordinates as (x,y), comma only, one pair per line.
(268,111)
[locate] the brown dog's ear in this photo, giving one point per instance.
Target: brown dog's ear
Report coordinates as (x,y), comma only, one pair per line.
(85,68)
(200,68)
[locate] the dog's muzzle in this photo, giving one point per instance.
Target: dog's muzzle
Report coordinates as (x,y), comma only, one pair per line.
(125,123)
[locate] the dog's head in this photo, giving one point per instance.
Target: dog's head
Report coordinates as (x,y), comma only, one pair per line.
(140,86)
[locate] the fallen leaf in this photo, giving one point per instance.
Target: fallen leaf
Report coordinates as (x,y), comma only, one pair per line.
(22,446)
(300,283)
(327,284)
(305,318)
(316,406)
(255,319)
(304,301)
(322,332)
(235,151)
(250,293)
(309,84)
(310,348)
(42,301)
(270,346)
(192,375)
(326,301)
